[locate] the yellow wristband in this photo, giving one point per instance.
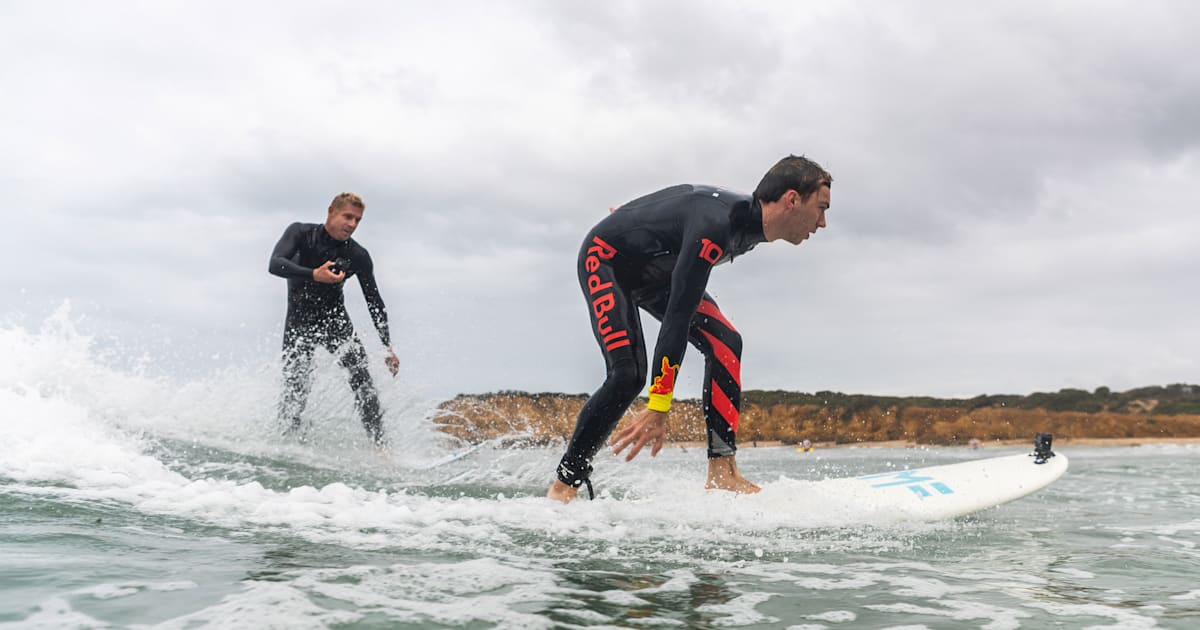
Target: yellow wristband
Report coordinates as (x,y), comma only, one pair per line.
(660,402)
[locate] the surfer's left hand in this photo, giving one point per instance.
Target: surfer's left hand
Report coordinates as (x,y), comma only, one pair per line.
(646,426)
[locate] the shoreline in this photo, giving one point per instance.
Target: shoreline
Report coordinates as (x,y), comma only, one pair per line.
(1111,442)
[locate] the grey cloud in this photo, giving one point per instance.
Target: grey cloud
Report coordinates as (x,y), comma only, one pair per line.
(1012,208)
(676,51)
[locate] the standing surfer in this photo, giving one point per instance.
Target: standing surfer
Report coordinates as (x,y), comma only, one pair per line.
(317,259)
(655,253)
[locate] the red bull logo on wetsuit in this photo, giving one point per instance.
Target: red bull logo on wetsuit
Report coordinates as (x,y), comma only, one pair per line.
(662,390)
(665,384)
(602,296)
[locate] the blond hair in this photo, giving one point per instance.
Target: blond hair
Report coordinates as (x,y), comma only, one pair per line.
(348,198)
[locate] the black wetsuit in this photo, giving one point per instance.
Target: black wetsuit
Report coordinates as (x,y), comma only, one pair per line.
(316,316)
(656,253)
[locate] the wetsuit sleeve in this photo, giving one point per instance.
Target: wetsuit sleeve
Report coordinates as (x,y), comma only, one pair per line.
(281,257)
(702,246)
(366,279)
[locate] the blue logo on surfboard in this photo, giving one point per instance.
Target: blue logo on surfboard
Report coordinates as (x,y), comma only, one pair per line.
(921,485)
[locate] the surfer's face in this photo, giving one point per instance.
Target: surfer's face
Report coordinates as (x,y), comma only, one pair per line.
(343,220)
(804,217)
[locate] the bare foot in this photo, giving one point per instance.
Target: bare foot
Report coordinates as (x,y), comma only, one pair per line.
(560,491)
(723,474)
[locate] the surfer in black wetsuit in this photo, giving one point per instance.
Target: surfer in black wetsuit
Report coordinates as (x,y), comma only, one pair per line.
(655,253)
(317,259)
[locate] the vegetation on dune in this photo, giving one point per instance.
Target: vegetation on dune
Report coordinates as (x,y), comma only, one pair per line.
(1164,400)
(1171,411)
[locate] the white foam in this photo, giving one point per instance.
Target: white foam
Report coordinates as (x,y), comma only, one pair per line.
(232,408)
(51,440)
(678,581)
(451,594)
(1078,573)
(1123,618)
(55,613)
(84,432)
(108,591)
(997,618)
(266,605)
(739,611)
(834,616)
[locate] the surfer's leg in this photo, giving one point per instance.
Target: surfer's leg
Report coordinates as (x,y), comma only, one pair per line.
(618,331)
(625,378)
(354,358)
(721,344)
(297,376)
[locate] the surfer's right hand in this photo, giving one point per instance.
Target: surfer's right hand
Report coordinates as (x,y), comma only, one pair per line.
(646,426)
(326,275)
(393,363)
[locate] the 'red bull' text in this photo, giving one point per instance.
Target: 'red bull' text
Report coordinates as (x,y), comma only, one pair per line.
(603,301)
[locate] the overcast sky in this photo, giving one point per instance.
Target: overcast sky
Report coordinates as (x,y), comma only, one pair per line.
(1016,204)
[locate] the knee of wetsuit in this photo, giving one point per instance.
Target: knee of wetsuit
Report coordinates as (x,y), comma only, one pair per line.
(356,362)
(733,341)
(628,378)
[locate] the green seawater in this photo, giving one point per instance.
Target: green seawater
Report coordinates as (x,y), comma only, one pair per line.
(139,531)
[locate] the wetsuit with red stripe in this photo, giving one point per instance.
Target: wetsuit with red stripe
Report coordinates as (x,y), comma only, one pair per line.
(656,253)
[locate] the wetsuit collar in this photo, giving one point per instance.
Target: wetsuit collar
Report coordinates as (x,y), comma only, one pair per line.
(747,221)
(328,239)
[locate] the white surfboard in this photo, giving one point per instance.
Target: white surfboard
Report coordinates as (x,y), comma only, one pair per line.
(950,490)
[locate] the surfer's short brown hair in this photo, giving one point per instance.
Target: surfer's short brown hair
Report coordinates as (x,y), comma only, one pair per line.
(794,172)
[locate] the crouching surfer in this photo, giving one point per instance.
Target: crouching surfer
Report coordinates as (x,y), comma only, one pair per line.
(655,253)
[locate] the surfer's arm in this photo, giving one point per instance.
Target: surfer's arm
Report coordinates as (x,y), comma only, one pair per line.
(281,257)
(688,281)
(366,279)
